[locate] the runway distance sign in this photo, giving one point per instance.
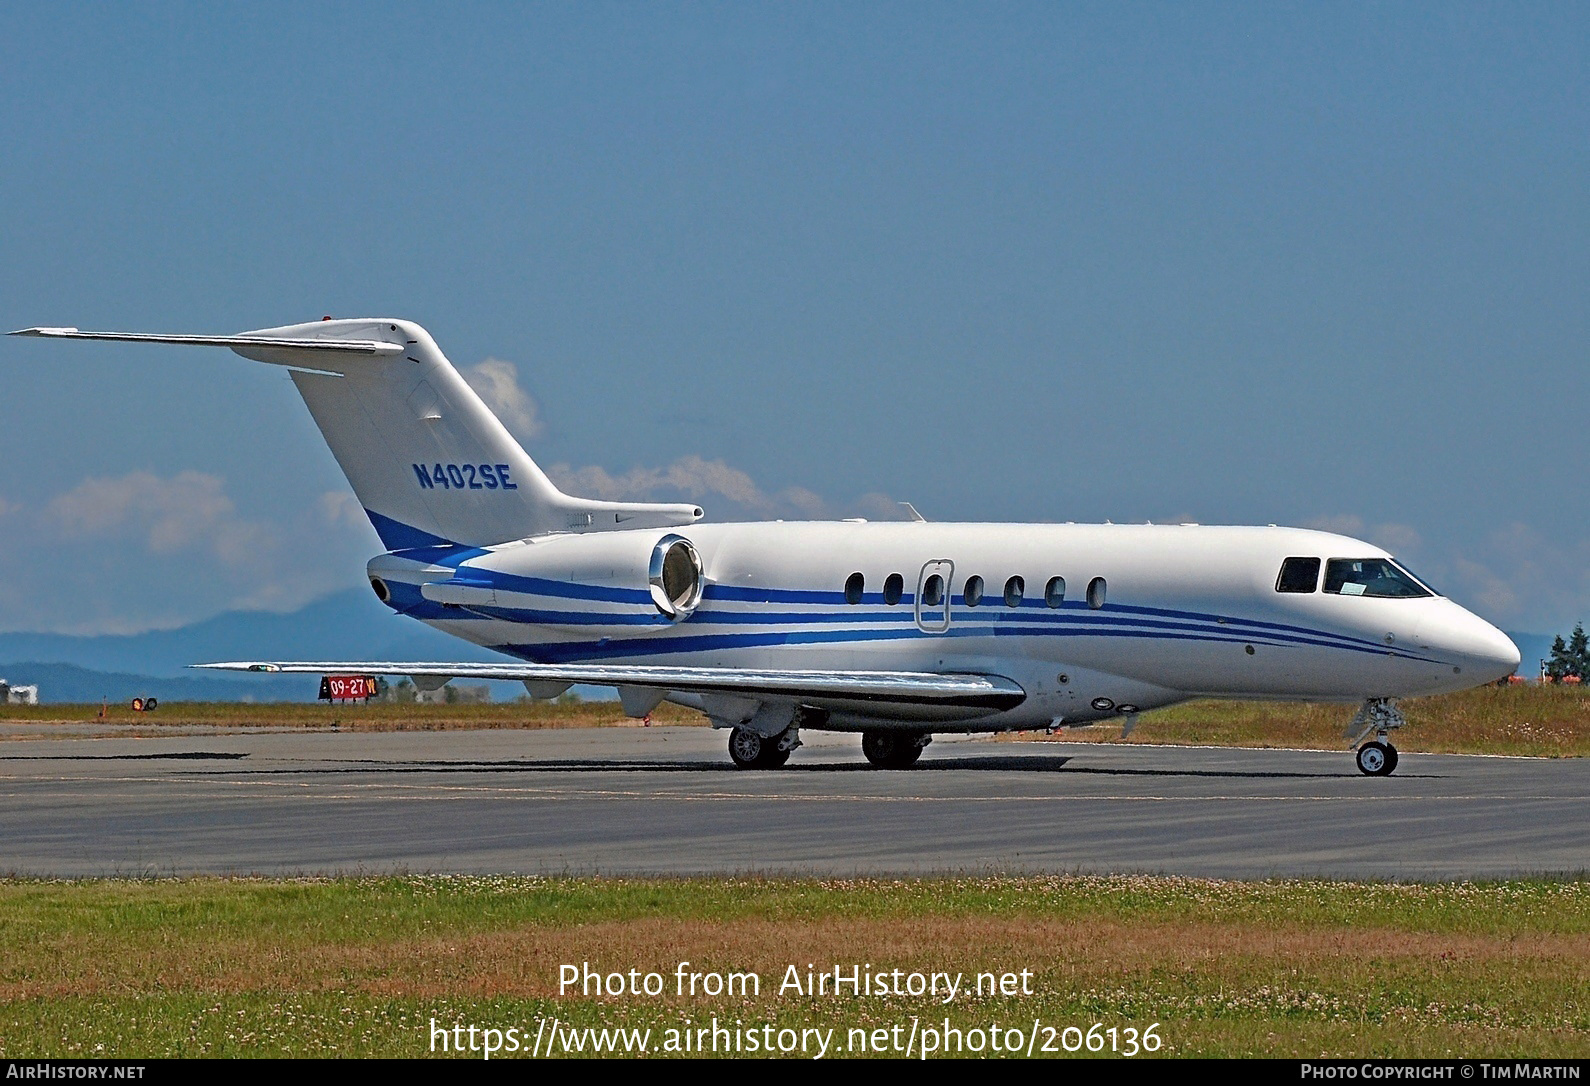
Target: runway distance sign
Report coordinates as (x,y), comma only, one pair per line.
(347,687)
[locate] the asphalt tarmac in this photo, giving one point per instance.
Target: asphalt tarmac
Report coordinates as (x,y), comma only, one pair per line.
(668,800)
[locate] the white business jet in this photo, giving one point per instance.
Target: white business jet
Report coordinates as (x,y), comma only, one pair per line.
(894,630)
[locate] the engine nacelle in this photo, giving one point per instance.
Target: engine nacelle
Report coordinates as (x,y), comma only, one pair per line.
(590,572)
(674,576)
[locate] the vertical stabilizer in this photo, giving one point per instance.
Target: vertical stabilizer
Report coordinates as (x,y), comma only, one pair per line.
(428,460)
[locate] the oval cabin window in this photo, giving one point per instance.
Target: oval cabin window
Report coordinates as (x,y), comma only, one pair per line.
(974,591)
(1054,593)
(1013,590)
(854,587)
(893,589)
(1096,593)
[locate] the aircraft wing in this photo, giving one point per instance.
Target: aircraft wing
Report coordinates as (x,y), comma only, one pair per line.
(825,688)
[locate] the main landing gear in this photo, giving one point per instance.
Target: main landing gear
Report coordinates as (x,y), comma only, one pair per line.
(894,750)
(1377,758)
(752,751)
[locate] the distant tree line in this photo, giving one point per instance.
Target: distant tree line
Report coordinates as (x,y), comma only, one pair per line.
(1570,660)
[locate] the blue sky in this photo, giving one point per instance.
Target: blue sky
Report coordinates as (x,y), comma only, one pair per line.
(1296,264)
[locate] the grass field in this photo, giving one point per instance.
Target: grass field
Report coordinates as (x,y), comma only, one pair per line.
(1530,719)
(361,966)
(375,717)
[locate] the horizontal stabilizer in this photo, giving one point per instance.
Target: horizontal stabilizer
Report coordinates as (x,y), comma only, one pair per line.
(346,346)
(969,691)
(430,463)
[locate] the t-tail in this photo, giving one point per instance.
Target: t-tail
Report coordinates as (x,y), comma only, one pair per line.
(426,457)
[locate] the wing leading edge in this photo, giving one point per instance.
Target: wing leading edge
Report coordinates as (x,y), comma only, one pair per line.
(976,693)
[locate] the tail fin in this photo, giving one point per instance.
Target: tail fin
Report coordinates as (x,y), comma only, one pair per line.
(426,457)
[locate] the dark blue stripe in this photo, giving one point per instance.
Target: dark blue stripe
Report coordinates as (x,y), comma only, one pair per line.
(572,651)
(994,607)
(397,536)
(1011,622)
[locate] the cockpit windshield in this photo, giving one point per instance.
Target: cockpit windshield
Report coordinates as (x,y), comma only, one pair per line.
(1371,577)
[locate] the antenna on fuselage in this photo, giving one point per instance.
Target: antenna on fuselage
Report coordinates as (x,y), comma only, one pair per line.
(918,517)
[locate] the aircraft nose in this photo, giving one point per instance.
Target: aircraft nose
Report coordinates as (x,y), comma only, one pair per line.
(1491,653)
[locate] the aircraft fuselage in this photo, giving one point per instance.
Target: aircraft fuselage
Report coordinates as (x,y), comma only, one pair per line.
(1176,611)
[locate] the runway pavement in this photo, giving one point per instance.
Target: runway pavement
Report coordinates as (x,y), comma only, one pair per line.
(667,800)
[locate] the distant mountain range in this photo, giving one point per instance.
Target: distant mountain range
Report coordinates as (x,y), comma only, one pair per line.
(350,625)
(67,683)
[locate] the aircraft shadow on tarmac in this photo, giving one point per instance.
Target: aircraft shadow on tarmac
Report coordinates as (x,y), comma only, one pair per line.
(994,763)
(171,756)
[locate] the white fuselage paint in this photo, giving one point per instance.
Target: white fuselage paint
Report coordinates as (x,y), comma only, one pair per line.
(1189,611)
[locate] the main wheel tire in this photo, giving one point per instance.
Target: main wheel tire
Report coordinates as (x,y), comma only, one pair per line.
(752,751)
(747,748)
(1376,759)
(910,750)
(1391,760)
(890,750)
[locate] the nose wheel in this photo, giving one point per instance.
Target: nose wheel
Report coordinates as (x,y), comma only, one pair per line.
(1377,759)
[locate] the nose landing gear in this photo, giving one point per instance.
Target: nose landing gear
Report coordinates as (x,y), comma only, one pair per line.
(1377,759)
(1379,715)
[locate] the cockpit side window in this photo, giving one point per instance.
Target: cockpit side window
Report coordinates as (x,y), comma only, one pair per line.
(1371,577)
(1298,575)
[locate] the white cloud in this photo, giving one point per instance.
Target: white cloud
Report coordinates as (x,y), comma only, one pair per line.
(142,551)
(497,382)
(189,509)
(339,508)
(1396,538)
(1339,523)
(727,492)
(690,477)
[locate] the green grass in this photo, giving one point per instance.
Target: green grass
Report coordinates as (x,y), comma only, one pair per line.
(361,966)
(1526,719)
(383,717)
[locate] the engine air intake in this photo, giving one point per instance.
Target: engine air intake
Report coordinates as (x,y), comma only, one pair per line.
(675,577)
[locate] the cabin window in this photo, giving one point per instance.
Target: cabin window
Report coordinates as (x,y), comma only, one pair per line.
(1096,589)
(893,589)
(1054,593)
(854,587)
(974,591)
(1371,577)
(1298,575)
(933,591)
(1013,590)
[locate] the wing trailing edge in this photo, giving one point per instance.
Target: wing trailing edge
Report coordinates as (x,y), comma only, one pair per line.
(963,691)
